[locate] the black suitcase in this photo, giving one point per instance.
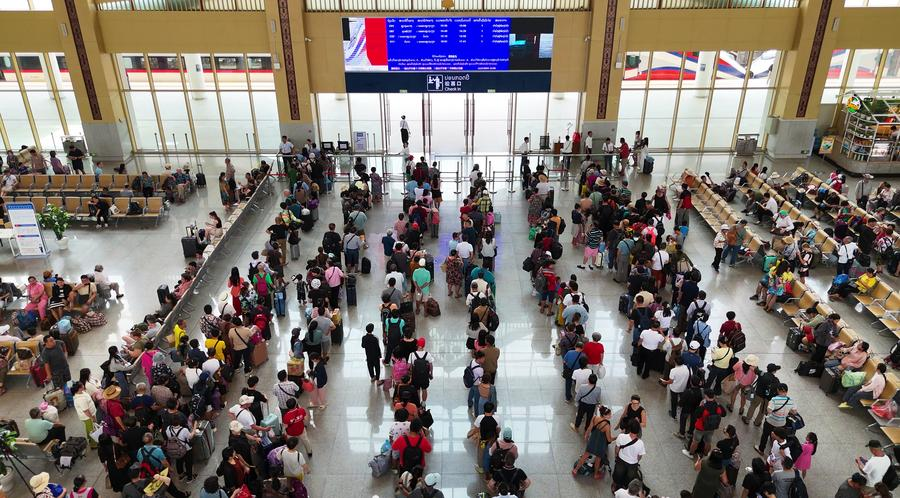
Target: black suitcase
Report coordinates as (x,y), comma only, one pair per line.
(829,381)
(366,266)
(793,338)
(190,247)
(351,290)
(809,369)
(337,335)
(161,292)
(624,300)
(201,180)
(648,165)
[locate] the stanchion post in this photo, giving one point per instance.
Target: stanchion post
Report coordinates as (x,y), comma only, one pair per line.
(511,179)
(458,191)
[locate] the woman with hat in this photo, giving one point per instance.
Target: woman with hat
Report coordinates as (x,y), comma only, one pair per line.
(41,487)
(113,411)
(742,377)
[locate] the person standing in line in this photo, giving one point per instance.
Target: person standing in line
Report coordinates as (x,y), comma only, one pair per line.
(588,397)
(319,376)
(608,149)
(588,145)
(373,353)
(779,407)
(404,131)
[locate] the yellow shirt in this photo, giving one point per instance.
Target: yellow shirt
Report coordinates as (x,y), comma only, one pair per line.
(218,345)
(865,283)
(721,357)
(178,334)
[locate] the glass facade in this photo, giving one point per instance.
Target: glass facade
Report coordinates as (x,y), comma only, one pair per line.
(37,104)
(861,70)
(200,102)
(696,100)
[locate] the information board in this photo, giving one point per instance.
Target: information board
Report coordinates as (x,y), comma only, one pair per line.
(29,238)
(447,54)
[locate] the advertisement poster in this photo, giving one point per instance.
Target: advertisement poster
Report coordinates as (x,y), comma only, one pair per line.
(360,141)
(27,231)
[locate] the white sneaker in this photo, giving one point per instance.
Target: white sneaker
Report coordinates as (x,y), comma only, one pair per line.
(687,454)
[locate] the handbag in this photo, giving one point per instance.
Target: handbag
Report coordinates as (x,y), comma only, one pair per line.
(601,371)
(97,432)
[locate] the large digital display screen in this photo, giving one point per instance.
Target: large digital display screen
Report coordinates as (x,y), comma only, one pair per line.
(447,53)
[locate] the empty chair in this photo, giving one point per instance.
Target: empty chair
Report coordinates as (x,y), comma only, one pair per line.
(25,183)
(39,203)
(889,307)
(119,181)
(55,201)
(73,206)
(106,181)
(154,208)
(73,182)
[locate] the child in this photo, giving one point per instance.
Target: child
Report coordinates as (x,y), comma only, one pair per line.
(373,353)
(809,448)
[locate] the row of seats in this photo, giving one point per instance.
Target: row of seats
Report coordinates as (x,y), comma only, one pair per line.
(79,207)
(822,240)
(76,184)
(716,212)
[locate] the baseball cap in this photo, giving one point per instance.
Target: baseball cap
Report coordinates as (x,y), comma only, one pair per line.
(771,367)
(244,400)
(235,426)
(873,443)
(421,342)
(724,227)
(432,479)
(694,345)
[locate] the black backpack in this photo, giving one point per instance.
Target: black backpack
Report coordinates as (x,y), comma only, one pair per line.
(562,226)
(469,376)
(412,455)
(420,368)
(394,331)
(890,478)
(798,487)
(528,264)
(493,321)
(498,457)
(643,318)
(714,419)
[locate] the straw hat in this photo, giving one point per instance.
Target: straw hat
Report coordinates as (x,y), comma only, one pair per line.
(752,360)
(112,392)
(39,482)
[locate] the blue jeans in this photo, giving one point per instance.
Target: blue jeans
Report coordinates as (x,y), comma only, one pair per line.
(611,258)
(473,396)
(486,458)
(853,395)
(733,251)
(568,389)
(122,379)
(832,363)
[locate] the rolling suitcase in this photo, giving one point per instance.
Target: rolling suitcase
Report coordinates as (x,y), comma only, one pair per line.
(201,180)
(809,369)
(337,335)
(624,301)
(203,443)
(260,354)
(295,252)
(189,245)
(71,342)
(793,338)
(648,165)
(829,381)
(351,290)
(366,266)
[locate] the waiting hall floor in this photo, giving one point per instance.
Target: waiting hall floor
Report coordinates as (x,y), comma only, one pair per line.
(530,391)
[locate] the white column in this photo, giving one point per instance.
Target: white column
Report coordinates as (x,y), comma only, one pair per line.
(194,70)
(706,65)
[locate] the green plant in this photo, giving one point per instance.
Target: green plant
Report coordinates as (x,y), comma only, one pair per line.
(54,218)
(7,445)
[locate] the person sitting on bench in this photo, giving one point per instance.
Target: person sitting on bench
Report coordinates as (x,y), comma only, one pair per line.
(40,431)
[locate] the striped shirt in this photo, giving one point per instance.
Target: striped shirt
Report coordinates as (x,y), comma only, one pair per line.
(285,391)
(594,237)
(779,407)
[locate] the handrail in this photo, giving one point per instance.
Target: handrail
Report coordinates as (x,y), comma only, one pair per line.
(184,307)
(182,5)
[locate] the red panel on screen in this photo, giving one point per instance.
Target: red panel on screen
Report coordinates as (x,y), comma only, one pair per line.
(376,41)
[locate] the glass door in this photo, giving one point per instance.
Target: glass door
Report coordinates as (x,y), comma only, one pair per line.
(491,121)
(448,124)
(410,105)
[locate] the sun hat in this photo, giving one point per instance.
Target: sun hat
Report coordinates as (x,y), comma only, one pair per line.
(112,392)
(432,479)
(751,360)
(39,482)
(235,426)
(245,400)
(694,345)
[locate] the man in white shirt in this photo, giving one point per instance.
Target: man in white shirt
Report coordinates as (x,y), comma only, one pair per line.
(608,150)
(589,144)
(286,148)
(192,373)
(629,447)
(211,365)
(294,462)
(398,277)
(241,413)
(581,375)
(677,382)
(657,263)
(477,373)
(567,155)
(635,489)
(784,225)
(404,131)
(101,281)
(465,250)
(846,252)
(875,467)
(766,209)
(543,188)
(648,343)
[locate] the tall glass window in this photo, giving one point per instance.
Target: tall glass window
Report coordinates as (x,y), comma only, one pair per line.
(692,100)
(201,102)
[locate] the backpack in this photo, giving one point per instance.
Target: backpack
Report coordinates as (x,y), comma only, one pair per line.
(540,283)
(493,321)
(562,226)
(703,332)
(412,455)
(793,444)
(890,478)
(420,368)
(261,286)
(174,446)
(738,341)
(698,310)
(393,330)
(643,318)
(146,469)
(469,376)
(528,264)
(798,487)
(197,405)
(134,208)
(713,418)
(497,458)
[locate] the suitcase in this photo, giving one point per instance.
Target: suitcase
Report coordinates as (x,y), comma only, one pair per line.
(56,397)
(624,301)
(648,165)
(809,369)
(410,319)
(260,354)
(295,367)
(203,443)
(201,180)
(380,464)
(432,308)
(351,290)
(161,292)
(295,252)
(71,342)
(190,247)
(793,338)
(829,381)
(279,303)
(38,374)
(337,335)
(366,266)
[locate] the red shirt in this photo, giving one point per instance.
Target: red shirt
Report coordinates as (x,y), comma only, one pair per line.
(594,352)
(686,200)
(551,278)
(294,421)
(400,445)
(624,151)
(728,327)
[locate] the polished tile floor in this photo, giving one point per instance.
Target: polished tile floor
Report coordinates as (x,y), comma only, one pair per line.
(530,389)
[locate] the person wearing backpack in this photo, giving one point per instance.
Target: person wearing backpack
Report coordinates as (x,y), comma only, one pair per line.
(722,360)
(393,333)
(571,361)
(485,429)
(495,454)
(412,447)
(787,481)
(700,332)
(765,390)
(178,449)
(472,377)
(422,366)
(779,407)
(708,418)
(150,457)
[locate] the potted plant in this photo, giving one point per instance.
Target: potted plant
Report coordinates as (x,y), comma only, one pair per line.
(56,219)
(7,474)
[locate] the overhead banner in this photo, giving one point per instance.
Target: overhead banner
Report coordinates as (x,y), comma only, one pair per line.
(447,54)
(29,238)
